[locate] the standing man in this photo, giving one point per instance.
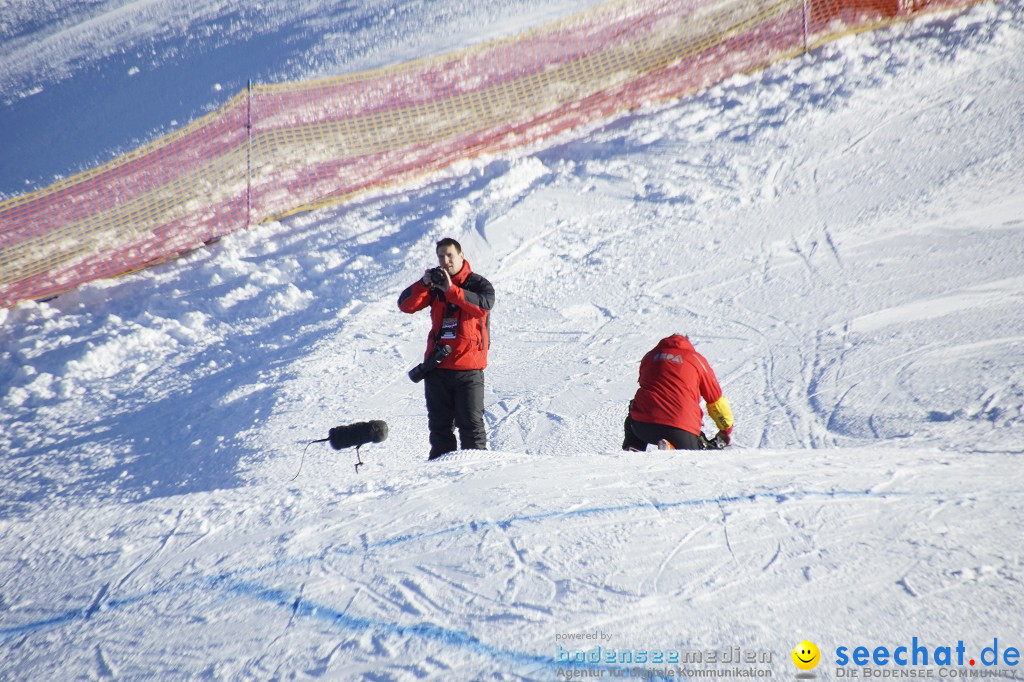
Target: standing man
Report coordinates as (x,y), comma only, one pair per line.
(666,409)
(460,303)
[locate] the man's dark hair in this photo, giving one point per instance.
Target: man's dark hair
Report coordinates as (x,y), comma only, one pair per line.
(448,241)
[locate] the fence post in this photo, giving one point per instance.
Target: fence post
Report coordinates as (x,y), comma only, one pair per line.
(248,157)
(805,26)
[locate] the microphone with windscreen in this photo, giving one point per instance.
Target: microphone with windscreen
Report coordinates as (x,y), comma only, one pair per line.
(357,434)
(351,436)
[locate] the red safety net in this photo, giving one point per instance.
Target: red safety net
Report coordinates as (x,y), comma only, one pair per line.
(277,149)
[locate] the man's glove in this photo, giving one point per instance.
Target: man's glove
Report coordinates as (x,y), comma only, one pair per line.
(725,435)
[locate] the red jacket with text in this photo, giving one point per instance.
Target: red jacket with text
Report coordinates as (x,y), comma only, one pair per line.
(673,379)
(459,318)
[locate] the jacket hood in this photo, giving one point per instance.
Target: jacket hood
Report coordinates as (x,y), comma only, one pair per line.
(676,341)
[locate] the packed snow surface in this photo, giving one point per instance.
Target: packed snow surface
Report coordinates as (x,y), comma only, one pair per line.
(841,235)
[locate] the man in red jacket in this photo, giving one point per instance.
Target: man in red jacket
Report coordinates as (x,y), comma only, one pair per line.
(460,303)
(673,379)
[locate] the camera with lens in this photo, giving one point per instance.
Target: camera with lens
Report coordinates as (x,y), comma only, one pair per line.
(419,371)
(437,277)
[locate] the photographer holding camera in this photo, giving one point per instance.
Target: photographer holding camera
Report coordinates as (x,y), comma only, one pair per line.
(460,302)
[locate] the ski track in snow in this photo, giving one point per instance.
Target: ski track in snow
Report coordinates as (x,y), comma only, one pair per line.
(391,576)
(840,235)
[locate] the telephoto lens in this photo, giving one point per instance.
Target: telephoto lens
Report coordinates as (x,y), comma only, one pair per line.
(418,372)
(437,276)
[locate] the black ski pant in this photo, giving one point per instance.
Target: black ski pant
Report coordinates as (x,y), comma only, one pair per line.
(455,398)
(640,434)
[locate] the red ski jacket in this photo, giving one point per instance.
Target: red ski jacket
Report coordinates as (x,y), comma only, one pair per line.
(673,379)
(459,318)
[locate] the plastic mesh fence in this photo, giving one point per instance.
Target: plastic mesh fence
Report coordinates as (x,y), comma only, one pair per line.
(274,150)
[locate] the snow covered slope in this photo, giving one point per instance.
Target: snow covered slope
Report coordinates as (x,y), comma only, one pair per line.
(842,236)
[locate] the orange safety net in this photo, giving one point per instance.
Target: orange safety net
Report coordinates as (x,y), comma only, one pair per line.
(274,150)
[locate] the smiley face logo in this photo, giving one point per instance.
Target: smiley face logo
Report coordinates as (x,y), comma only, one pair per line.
(806,655)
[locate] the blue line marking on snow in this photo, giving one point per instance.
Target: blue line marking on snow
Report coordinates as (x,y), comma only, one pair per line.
(233,583)
(304,608)
(505,524)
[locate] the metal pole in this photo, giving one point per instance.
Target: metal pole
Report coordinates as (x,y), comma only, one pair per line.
(805,26)
(248,159)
